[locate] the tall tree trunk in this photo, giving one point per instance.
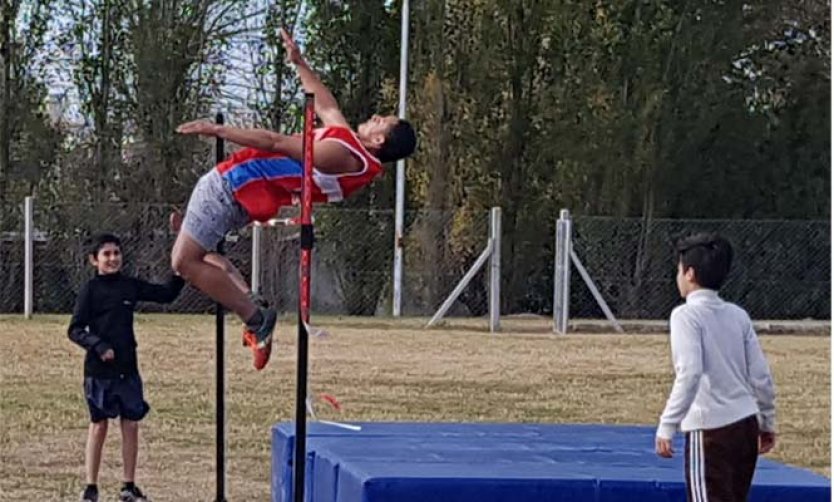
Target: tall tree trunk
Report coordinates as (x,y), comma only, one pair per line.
(8,11)
(513,179)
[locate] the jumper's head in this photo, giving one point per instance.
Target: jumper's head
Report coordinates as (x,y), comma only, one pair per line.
(105,254)
(703,262)
(388,137)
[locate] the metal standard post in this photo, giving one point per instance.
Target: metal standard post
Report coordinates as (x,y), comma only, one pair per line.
(220,399)
(491,251)
(257,234)
(299,463)
(400,192)
(467,278)
(28,252)
(495,270)
(594,291)
(561,273)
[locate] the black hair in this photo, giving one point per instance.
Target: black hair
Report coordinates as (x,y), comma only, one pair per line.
(400,142)
(99,240)
(709,255)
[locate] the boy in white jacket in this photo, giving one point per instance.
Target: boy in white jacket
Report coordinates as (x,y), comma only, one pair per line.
(723,395)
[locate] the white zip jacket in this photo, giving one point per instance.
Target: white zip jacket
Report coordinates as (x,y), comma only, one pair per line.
(721,374)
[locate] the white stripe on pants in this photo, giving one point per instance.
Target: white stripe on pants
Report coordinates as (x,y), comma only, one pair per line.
(697,468)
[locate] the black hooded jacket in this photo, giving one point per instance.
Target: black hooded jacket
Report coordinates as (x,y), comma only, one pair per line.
(103,319)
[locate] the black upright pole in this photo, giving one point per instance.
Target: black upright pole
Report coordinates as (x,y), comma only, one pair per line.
(300,461)
(299,464)
(220,399)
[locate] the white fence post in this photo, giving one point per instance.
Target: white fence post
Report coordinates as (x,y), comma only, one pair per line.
(396,306)
(257,234)
(495,270)
(561,273)
(399,212)
(29,258)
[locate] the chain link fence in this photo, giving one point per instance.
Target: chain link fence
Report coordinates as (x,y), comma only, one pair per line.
(352,262)
(61,244)
(11,257)
(782,269)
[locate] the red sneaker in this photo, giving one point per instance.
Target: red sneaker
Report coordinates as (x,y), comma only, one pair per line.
(260,341)
(260,355)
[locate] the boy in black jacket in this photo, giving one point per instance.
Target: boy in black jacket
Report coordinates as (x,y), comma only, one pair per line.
(102,324)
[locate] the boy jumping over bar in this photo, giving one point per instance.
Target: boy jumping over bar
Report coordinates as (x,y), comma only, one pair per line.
(254,182)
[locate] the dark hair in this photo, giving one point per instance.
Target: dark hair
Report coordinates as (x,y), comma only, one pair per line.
(99,240)
(399,142)
(709,255)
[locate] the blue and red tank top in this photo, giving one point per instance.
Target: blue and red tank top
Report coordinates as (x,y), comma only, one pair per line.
(262,182)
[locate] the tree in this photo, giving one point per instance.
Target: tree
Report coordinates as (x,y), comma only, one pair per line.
(274,87)
(177,60)
(29,141)
(97,39)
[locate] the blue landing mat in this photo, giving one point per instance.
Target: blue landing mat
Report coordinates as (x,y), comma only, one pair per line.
(449,462)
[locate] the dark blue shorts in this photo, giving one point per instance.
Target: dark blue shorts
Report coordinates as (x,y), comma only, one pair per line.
(115,397)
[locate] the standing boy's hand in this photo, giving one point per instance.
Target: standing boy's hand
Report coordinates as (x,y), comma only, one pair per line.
(663,447)
(767,440)
(108,355)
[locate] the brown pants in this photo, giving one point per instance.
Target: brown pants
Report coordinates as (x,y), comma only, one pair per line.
(720,462)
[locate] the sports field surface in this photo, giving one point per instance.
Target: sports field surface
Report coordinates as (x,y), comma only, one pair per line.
(379,369)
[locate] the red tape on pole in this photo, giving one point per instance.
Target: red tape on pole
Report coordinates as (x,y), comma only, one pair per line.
(307,207)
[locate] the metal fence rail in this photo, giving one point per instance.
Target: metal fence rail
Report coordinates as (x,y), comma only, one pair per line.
(782,269)
(351,266)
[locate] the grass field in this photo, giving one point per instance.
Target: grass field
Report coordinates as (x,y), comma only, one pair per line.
(381,370)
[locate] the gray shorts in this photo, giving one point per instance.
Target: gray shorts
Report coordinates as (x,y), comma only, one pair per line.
(212,211)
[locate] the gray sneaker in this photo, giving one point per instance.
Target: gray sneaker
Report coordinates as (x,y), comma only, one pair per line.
(133,495)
